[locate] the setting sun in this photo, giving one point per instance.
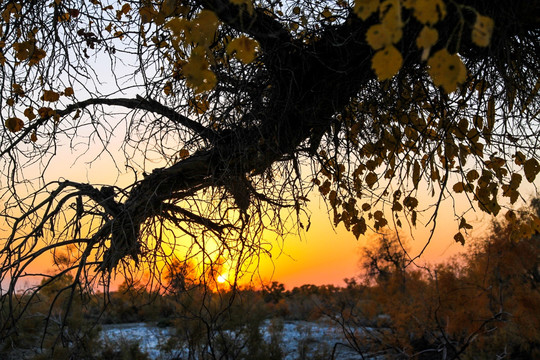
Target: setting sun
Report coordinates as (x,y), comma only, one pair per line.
(221,278)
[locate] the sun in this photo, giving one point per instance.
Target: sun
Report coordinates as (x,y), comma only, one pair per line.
(221,278)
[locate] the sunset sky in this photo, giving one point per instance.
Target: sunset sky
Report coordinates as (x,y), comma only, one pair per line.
(322,255)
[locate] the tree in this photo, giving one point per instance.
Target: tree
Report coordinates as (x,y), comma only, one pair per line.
(481,305)
(249,106)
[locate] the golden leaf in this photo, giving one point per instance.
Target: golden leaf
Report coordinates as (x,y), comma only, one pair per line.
(482,30)
(426,39)
(168,7)
(390,13)
(386,62)
(429,11)
(14,124)
(447,70)
(364,8)
(378,36)
(243,48)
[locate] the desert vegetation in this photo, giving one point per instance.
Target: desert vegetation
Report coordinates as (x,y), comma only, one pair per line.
(480,305)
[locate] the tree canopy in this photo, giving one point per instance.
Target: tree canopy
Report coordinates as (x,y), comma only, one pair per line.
(384,107)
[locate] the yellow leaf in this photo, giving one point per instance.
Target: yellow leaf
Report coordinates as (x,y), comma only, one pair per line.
(207,21)
(429,11)
(198,76)
(378,36)
(50,95)
(390,13)
(426,39)
(176,25)
(14,124)
(386,62)
(447,70)
(168,7)
(482,30)
(147,14)
(364,8)
(326,14)
(243,48)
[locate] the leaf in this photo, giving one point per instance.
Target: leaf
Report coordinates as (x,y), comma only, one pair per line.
(416,174)
(426,39)
(482,30)
(429,11)
(197,74)
(364,8)
(459,238)
(50,95)
(168,89)
(378,36)
(14,124)
(386,63)
(371,179)
(243,48)
(33,137)
(359,228)
(447,70)
(68,91)
(410,202)
(472,175)
(29,113)
(458,187)
(531,169)
(184,153)
(464,225)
